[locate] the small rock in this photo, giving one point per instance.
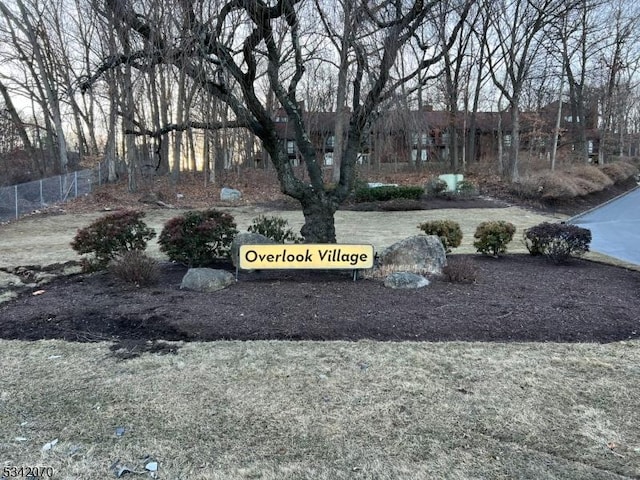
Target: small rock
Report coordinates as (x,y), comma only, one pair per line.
(152,466)
(405,280)
(230,194)
(50,445)
(206,280)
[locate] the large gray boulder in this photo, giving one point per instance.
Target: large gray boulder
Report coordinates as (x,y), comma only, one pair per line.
(206,280)
(423,253)
(405,280)
(230,194)
(247,239)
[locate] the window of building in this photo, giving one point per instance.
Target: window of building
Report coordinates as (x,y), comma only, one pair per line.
(363,158)
(331,141)
(328,159)
(291,147)
(506,139)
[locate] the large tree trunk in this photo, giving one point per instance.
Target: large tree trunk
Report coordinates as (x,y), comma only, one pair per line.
(319,223)
(17,121)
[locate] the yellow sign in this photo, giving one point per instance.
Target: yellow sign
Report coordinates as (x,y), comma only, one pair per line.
(264,257)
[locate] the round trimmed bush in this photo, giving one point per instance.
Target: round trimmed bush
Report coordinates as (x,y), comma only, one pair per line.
(448,231)
(493,237)
(556,241)
(110,236)
(198,238)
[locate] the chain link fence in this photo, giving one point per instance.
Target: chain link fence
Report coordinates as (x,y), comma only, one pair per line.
(25,198)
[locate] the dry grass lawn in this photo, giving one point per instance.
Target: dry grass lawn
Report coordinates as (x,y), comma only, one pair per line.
(305,410)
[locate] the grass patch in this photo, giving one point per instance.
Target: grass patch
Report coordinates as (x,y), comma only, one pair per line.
(286,410)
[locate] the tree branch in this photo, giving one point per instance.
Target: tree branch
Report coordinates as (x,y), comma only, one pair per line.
(185,126)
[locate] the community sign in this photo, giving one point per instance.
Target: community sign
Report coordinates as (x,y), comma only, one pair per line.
(310,256)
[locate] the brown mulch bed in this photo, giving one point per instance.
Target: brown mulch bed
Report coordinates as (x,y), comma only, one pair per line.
(515,298)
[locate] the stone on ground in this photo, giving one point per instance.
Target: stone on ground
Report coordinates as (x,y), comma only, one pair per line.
(405,280)
(247,239)
(206,280)
(423,253)
(230,194)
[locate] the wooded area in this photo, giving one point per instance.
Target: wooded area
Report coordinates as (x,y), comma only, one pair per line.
(165,86)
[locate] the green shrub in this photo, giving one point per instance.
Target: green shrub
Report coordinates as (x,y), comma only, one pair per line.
(198,238)
(493,237)
(274,228)
(448,231)
(460,270)
(382,194)
(135,267)
(110,236)
(556,241)
(436,187)
(466,189)
(400,205)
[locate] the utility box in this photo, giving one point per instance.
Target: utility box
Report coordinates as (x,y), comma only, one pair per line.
(452,180)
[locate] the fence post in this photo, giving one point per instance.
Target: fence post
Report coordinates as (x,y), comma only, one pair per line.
(16,197)
(76,180)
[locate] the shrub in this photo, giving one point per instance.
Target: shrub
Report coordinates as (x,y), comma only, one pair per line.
(557,241)
(198,238)
(619,171)
(460,270)
(436,187)
(274,228)
(400,205)
(594,175)
(382,194)
(493,237)
(552,185)
(466,189)
(110,236)
(448,231)
(136,267)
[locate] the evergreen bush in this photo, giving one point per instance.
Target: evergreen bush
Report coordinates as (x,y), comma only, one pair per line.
(556,241)
(274,228)
(493,237)
(448,231)
(382,194)
(112,235)
(198,238)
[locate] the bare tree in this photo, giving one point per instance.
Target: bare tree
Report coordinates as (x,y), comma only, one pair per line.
(617,61)
(252,50)
(17,122)
(31,42)
(515,37)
